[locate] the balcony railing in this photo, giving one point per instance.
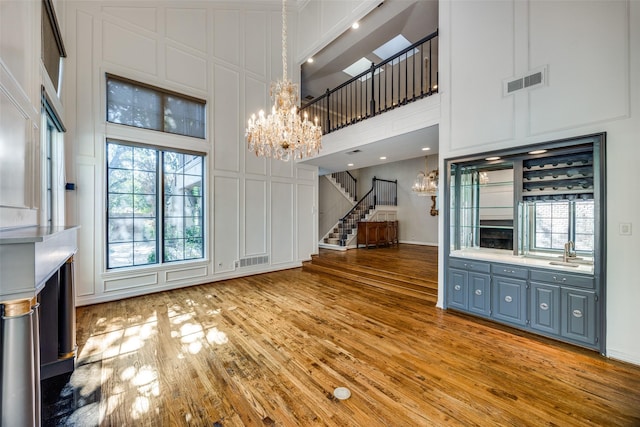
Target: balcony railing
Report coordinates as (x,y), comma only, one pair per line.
(407,76)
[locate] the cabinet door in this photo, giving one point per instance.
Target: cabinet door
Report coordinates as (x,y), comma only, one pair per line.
(510,300)
(545,308)
(480,293)
(579,315)
(457,289)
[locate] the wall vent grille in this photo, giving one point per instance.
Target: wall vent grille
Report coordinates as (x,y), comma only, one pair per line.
(256,260)
(535,78)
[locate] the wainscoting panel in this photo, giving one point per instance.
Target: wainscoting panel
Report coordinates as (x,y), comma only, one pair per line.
(130,281)
(181,274)
(307,230)
(255,57)
(142,17)
(185,68)
(84,112)
(282,226)
(255,217)
(187,27)
(85,258)
(226,37)
(225,223)
(225,126)
(256,99)
(596,51)
(129,49)
(476,102)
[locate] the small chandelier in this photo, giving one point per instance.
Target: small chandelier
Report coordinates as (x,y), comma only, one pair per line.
(426,184)
(283,134)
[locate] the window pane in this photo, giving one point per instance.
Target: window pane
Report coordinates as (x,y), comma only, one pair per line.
(585,225)
(183,206)
(134,215)
(120,255)
(551,224)
(120,230)
(131,188)
(120,181)
(184,117)
(136,104)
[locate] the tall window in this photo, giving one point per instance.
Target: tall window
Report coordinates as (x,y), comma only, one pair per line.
(52,164)
(155,205)
(137,104)
(557,222)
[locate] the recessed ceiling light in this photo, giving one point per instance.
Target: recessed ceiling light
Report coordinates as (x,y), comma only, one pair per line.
(383,158)
(537,151)
(310,60)
(350,164)
(426,148)
(355,25)
(493,158)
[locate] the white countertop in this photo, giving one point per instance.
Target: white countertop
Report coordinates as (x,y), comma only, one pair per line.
(507,257)
(30,234)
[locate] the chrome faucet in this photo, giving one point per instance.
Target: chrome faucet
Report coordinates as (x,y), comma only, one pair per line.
(569,251)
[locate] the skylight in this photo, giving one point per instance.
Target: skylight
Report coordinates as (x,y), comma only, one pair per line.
(394,46)
(362,64)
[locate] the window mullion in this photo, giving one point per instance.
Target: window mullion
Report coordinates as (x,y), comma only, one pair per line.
(160,207)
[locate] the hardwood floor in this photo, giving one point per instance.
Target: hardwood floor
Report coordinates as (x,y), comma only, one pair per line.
(270,349)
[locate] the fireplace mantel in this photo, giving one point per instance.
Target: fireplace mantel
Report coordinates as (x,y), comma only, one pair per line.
(30,255)
(37,322)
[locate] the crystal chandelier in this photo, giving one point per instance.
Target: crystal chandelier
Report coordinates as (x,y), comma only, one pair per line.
(426,184)
(283,134)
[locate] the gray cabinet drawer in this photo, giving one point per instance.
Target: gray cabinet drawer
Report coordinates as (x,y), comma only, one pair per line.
(509,271)
(465,264)
(563,279)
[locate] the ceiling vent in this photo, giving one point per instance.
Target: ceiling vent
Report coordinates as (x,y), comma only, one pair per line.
(348,153)
(532,79)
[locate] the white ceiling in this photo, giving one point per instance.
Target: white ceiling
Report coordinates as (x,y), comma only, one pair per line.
(414,19)
(401,147)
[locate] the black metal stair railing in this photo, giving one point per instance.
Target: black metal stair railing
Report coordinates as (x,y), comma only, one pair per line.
(383,192)
(409,75)
(348,182)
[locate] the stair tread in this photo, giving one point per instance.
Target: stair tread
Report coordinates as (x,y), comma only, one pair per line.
(419,292)
(373,272)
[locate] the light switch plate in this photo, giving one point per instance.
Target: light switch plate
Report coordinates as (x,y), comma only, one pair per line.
(625,229)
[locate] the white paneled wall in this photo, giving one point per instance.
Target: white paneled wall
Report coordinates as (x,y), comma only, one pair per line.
(20,80)
(226,53)
(592,53)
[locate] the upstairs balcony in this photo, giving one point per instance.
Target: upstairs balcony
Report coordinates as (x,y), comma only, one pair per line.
(403,77)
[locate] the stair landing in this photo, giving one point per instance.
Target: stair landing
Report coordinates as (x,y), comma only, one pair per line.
(407,269)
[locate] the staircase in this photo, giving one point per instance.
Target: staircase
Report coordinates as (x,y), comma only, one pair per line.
(345,229)
(383,192)
(417,287)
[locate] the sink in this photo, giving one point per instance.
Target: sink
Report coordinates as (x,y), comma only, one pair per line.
(564,264)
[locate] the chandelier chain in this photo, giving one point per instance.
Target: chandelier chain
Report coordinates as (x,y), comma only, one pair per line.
(284,41)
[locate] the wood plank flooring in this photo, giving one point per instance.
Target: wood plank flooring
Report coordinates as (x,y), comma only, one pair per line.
(270,349)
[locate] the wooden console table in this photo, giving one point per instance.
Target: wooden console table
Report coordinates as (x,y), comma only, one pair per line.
(37,323)
(377,233)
